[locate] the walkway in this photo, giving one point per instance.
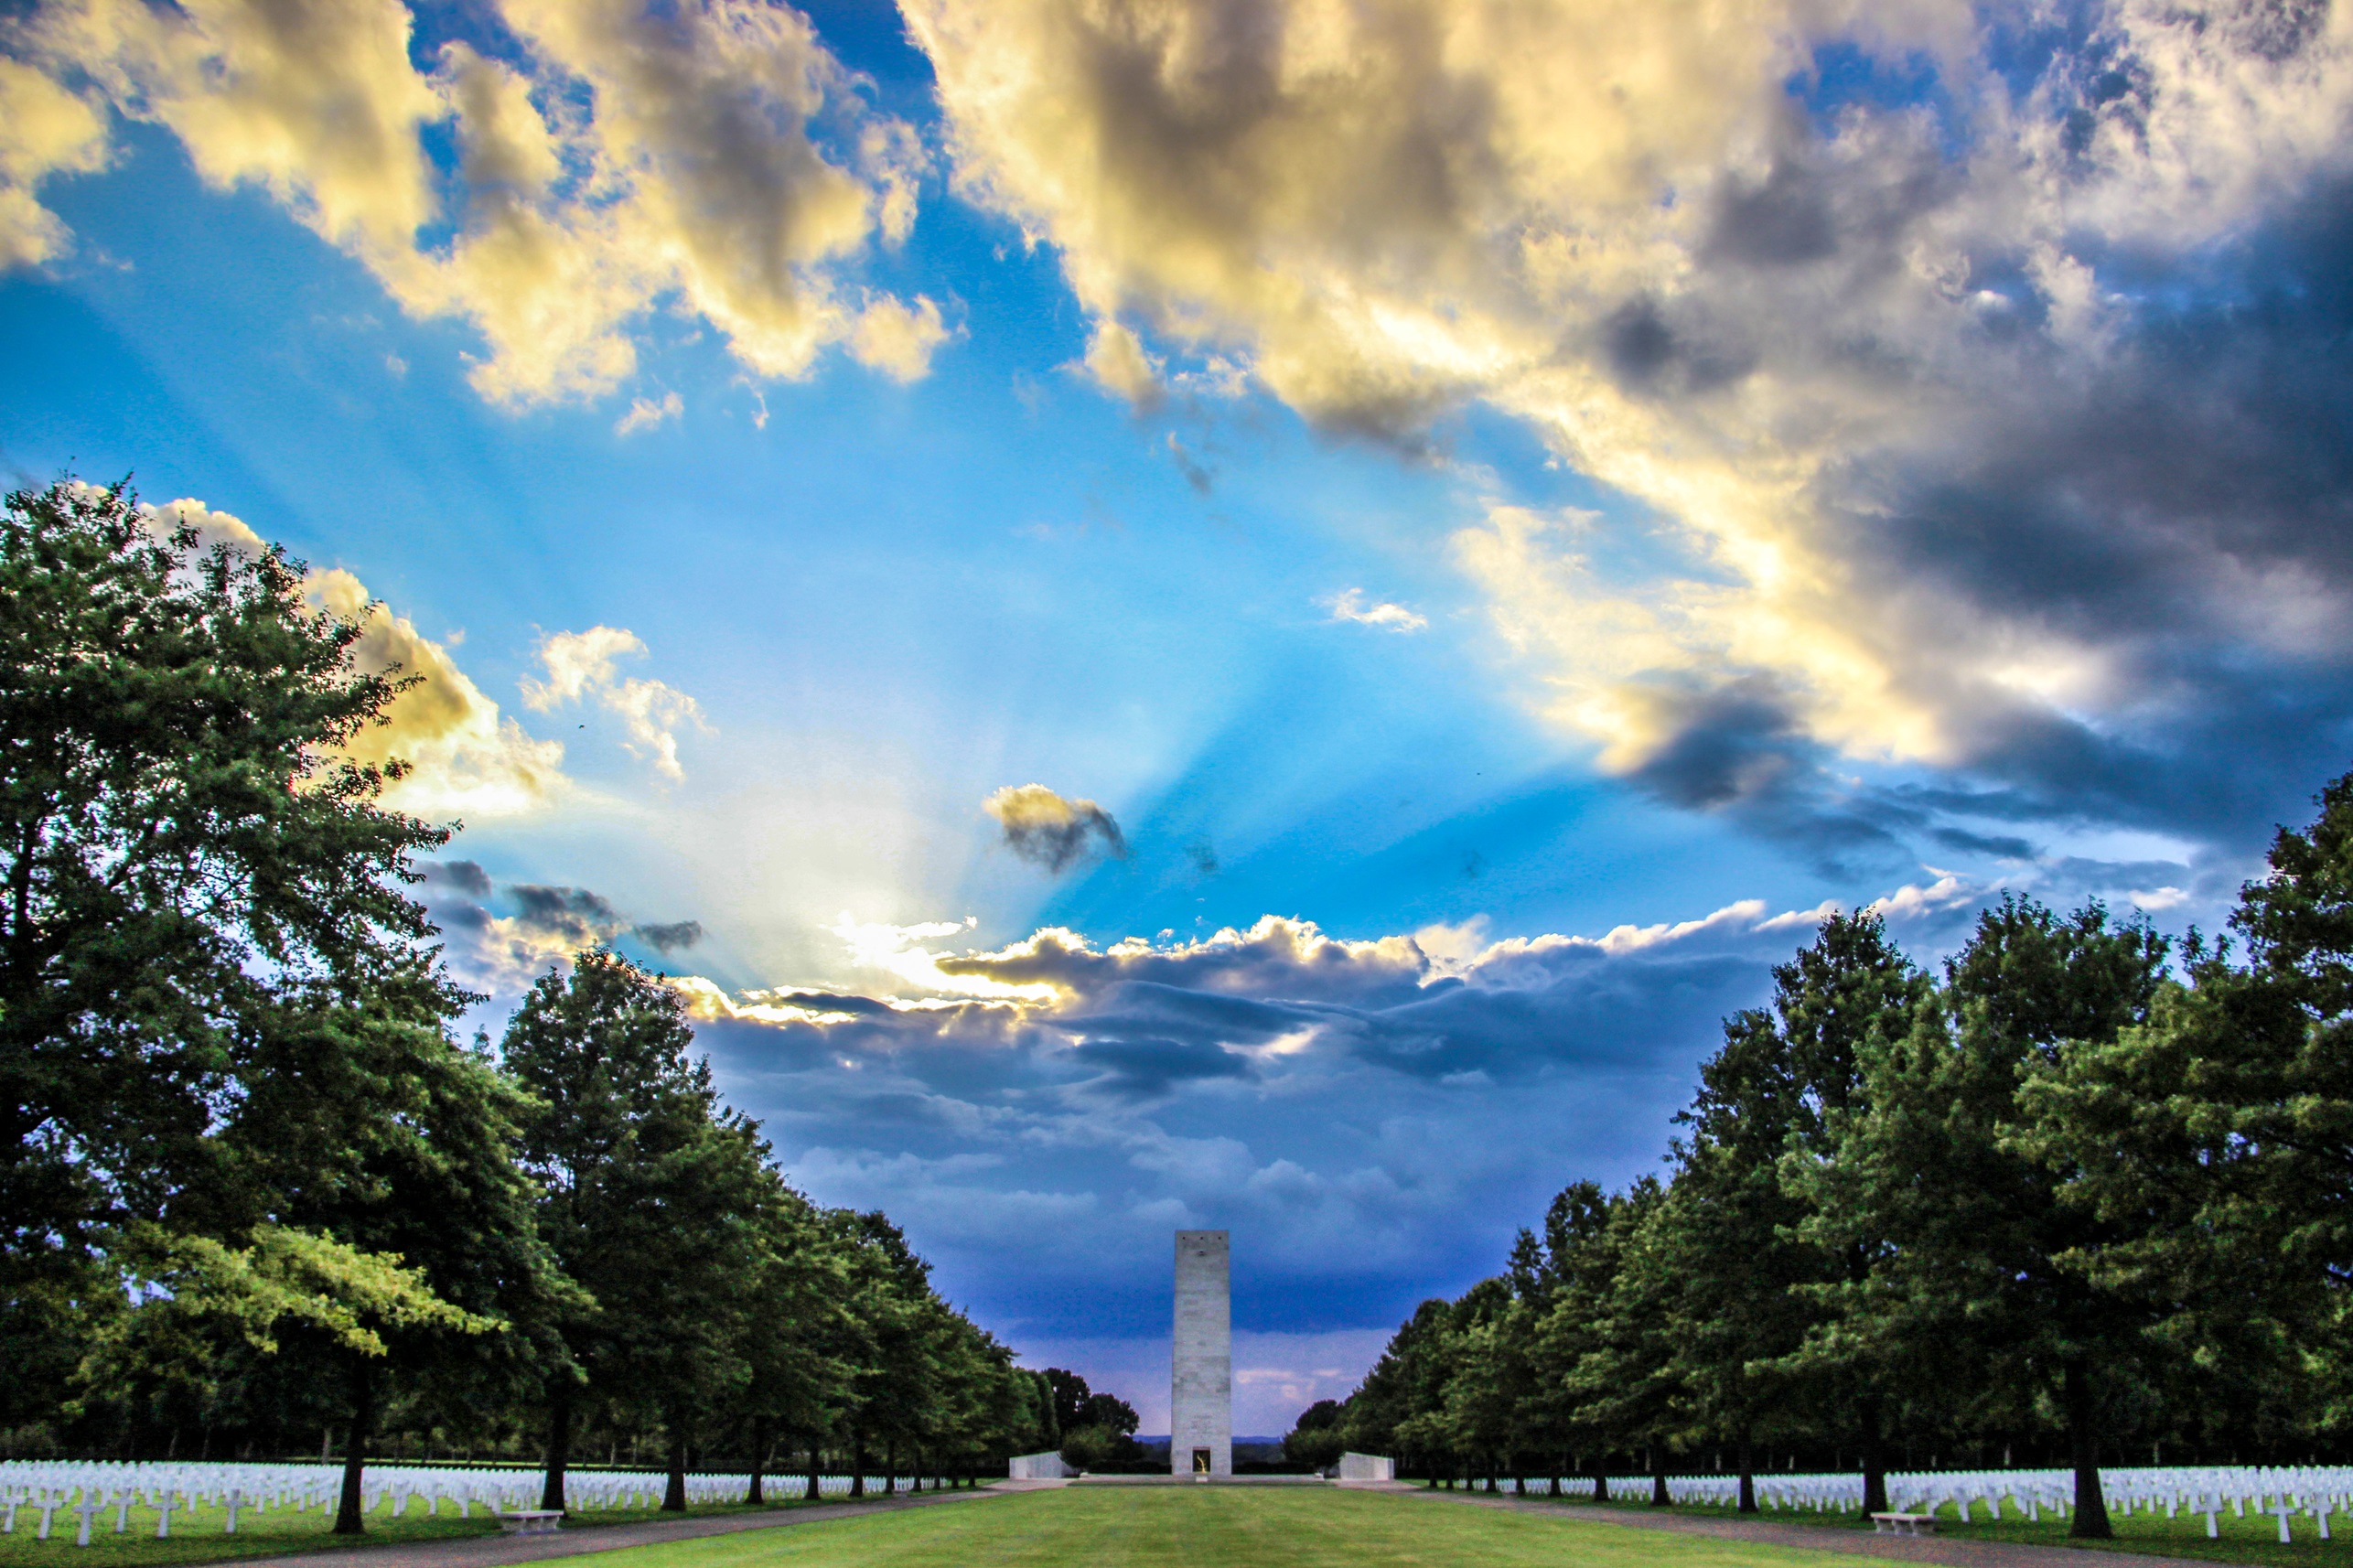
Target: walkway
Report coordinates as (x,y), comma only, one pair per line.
(495,1551)
(1953,1550)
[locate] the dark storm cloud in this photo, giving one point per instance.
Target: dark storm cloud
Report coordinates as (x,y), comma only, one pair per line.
(2179,506)
(2002,846)
(675,937)
(554,908)
(463,876)
(1147,1068)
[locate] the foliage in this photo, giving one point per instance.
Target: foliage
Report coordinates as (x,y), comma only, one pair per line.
(2067,1195)
(255,1192)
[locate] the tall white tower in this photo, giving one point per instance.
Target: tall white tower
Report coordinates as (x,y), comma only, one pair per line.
(1201,1388)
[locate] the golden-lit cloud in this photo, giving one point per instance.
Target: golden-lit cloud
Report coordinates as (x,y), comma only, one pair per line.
(44,130)
(581,667)
(465,759)
(1052,831)
(1117,361)
(1786,334)
(625,156)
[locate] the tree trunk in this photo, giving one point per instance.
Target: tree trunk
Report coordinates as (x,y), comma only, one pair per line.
(890,1467)
(1659,1498)
(1875,1463)
(857,1464)
(559,1443)
(816,1464)
(2089,1521)
(1601,1477)
(1747,1474)
(673,1496)
(752,1495)
(348,1518)
(915,1481)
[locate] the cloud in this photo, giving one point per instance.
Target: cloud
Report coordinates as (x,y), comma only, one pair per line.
(644,414)
(1050,831)
(1349,605)
(464,876)
(464,759)
(1964,406)
(1370,1115)
(1117,361)
(44,131)
(609,157)
(581,667)
(500,940)
(675,936)
(895,338)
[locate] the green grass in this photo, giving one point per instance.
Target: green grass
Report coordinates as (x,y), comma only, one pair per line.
(2255,1539)
(197,1535)
(1210,1527)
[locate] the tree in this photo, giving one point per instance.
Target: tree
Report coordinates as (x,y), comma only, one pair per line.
(1625,1382)
(2210,1140)
(1316,1440)
(650,1196)
(1727,1241)
(1094,1430)
(796,1379)
(1846,990)
(1982,1285)
(185,845)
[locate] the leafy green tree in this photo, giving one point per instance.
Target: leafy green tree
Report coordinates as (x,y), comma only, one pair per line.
(1627,1381)
(1726,1239)
(1316,1440)
(184,844)
(652,1196)
(2210,1140)
(1581,1259)
(1983,1284)
(1847,989)
(1385,1414)
(796,1380)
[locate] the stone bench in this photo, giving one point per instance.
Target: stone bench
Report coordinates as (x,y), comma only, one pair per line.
(531,1521)
(1904,1524)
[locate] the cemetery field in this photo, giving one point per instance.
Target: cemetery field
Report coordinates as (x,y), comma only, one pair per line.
(2254,1539)
(1214,1527)
(197,1537)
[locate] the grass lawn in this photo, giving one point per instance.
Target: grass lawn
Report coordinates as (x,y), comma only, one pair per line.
(1210,1527)
(2255,1539)
(197,1535)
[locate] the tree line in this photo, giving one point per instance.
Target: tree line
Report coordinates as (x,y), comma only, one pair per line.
(258,1196)
(2080,1193)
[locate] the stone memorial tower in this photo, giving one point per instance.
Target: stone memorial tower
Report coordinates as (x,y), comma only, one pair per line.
(1201,1391)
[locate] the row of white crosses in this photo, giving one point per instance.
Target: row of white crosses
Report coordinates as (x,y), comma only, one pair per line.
(91,1490)
(2285,1492)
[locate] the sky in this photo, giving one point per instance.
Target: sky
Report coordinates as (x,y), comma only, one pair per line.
(1238,613)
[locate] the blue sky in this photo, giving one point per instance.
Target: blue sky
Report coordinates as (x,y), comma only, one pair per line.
(1472,557)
